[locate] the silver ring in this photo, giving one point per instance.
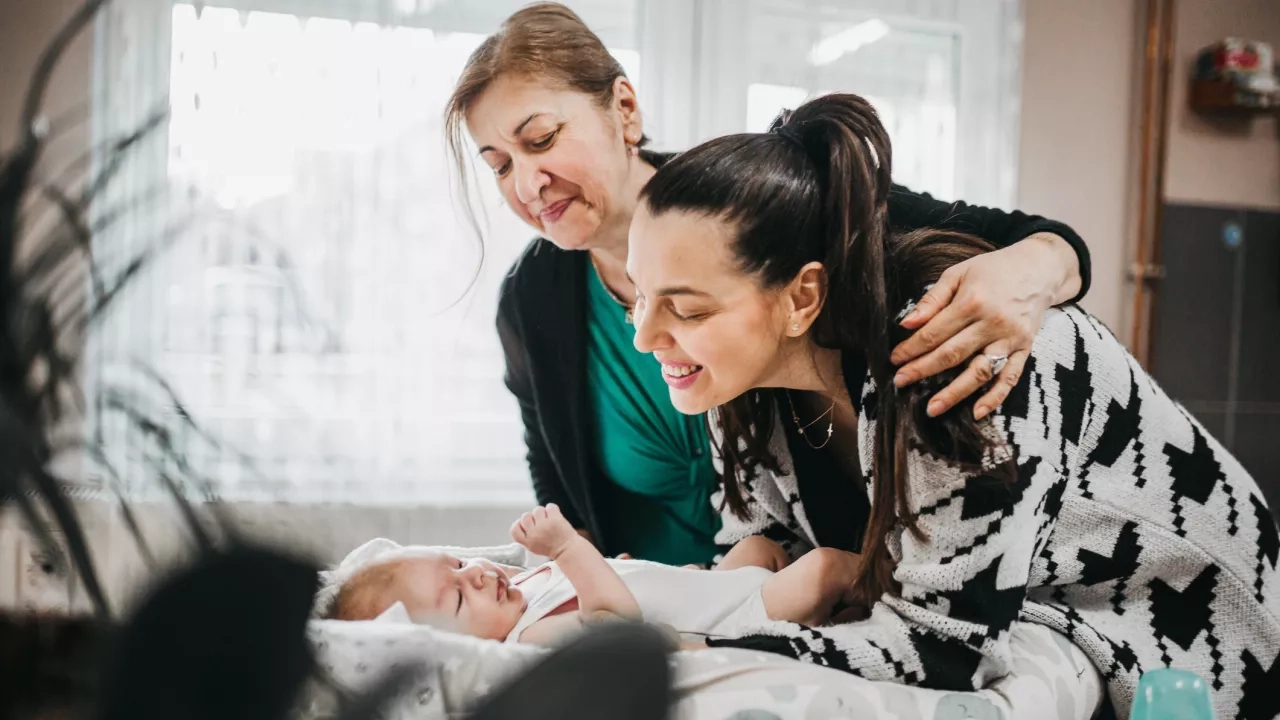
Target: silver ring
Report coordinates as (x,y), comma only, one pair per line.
(997,363)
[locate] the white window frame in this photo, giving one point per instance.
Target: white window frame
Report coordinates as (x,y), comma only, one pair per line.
(989,35)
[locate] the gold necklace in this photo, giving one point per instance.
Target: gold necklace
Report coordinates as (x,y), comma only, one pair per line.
(630,315)
(831,424)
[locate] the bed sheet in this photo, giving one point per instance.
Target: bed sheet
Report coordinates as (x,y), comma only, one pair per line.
(1052,679)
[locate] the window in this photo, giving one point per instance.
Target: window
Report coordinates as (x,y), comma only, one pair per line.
(942,74)
(329,314)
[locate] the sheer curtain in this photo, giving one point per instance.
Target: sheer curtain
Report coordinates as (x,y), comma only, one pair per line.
(327,313)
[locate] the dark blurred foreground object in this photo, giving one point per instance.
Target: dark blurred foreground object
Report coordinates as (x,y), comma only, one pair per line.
(618,671)
(47,665)
(223,639)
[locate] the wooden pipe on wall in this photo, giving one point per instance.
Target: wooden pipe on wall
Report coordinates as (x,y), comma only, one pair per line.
(1145,272)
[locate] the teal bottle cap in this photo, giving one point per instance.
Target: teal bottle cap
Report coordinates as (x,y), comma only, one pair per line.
(1171,694)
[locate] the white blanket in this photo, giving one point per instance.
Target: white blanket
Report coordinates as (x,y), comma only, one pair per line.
(1052,679)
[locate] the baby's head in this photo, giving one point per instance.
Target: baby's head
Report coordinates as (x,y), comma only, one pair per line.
(473,597)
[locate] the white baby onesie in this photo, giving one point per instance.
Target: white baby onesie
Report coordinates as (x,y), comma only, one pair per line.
(702,603)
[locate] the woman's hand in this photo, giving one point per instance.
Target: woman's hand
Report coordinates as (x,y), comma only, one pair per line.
(989,306)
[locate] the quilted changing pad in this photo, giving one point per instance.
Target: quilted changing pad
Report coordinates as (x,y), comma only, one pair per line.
(1052,679)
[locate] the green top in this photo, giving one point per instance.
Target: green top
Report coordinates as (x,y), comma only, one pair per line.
(657,460)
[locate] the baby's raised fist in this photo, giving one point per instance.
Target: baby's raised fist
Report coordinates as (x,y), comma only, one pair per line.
(544,531)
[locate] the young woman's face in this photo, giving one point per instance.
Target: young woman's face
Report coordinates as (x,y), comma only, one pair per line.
(561,161)
(716,332)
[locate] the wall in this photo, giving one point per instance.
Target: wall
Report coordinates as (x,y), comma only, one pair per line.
(1080,120)
(1224,171)
(1222,161)
(25,27)
(1080,79)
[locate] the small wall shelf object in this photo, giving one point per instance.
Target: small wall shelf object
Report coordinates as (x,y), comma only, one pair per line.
(1237,76)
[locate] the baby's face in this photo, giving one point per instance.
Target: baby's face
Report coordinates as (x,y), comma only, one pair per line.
(473,596)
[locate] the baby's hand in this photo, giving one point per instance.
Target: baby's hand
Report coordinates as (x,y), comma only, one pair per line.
(544,531)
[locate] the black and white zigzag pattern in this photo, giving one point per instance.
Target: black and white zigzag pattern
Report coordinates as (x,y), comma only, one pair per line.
(1131,531)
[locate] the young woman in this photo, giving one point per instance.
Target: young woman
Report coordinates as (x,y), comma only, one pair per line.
(770,286)
(553,115)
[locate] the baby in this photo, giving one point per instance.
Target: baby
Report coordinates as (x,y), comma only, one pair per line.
(544,604)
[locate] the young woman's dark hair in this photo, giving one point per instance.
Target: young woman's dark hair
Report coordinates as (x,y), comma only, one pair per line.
(816,188)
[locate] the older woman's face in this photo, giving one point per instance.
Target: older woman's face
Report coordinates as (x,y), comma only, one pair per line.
(561,160)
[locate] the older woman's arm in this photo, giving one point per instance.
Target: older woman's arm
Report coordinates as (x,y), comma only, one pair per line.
(991,305)
(548,485)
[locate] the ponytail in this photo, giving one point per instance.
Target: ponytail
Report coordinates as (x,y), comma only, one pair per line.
(843,135)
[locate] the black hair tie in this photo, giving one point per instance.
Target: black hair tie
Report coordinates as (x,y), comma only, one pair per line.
(792,134)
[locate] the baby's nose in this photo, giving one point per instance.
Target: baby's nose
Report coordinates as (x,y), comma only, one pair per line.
(482,580)
(476,573)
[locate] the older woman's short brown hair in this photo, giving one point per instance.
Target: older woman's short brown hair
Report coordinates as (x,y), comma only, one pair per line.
(546,41)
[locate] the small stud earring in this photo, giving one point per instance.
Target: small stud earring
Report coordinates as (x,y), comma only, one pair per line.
(795,327)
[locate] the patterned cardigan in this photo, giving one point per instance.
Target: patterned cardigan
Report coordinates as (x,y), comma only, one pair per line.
(1129,530)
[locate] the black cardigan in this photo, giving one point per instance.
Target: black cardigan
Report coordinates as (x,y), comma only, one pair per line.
(542,323)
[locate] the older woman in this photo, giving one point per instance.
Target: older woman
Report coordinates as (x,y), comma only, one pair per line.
(559,123)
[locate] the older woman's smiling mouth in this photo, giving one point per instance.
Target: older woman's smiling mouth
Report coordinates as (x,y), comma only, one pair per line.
(555,210)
